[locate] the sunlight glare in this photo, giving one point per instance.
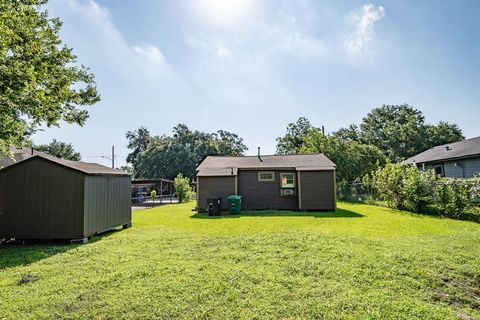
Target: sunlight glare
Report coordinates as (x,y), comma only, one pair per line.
(225,12)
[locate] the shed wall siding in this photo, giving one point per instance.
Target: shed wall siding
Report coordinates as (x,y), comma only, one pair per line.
(107,203)
(263,195)
(318,190)
(39,199)
(213,187)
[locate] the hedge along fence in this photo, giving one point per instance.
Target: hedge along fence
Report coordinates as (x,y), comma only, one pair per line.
(405,187)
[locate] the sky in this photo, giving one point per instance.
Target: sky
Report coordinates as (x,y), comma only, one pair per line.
(253,66)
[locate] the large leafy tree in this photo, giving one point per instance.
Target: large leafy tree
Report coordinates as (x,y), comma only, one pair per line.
(60,150)
(353,159)
(442,133)
(165,160)
(166,156)
(293,139)
(40,80)
(399,131)
(138,141)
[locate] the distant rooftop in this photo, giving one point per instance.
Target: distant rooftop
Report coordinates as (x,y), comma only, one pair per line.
(229,165)
(461,149)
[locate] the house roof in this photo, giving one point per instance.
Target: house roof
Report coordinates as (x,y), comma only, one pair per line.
(461,149)
(83,167)
(206,172)
(229,165)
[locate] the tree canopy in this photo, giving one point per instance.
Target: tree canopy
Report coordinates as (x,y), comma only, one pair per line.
(400,131)
(40,80)
(167,156)
(60,150)
(353,159)
(388,133)
(293,139)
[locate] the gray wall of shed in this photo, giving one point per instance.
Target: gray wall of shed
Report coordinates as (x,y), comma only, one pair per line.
(263,195)
(466,168)
(107,203)
(318,190)
(213,187)
(39,199)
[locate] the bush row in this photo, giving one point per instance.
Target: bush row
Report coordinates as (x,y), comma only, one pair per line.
(405,187)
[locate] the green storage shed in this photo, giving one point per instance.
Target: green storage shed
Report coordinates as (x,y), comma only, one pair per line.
(45,197)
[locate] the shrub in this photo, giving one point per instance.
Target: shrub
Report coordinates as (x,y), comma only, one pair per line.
(453,197)
(342,189)
(182,188)
(403,186)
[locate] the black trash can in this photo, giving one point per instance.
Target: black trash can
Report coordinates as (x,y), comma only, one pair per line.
(214,206)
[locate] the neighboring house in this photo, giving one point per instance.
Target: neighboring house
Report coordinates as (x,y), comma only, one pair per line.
(44,197)
(19,154)
(453,160)
(274,182)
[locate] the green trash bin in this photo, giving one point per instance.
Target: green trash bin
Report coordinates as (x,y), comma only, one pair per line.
(235,204)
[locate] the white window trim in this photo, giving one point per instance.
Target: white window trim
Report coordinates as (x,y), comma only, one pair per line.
(265,172)
(294,180)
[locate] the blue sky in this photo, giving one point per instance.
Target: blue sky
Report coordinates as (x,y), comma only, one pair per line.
(251,67)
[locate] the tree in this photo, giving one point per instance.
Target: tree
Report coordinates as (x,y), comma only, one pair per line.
(203,144)
(60,150)
(126,169)
(229,143)
(442,133)
(138,141)
(398,131)
(183,189)
(165,157)
(165,160)
(352,133)
(293,140)
(40,81)
(353,159)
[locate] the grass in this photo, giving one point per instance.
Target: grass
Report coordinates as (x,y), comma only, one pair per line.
(361,262)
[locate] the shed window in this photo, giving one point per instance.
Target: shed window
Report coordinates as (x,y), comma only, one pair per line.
(266,176)
(287,180)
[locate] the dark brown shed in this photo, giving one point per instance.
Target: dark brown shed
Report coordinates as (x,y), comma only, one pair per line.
(44,197)
(274,182)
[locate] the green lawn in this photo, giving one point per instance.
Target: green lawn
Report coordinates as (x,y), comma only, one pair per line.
(362,262)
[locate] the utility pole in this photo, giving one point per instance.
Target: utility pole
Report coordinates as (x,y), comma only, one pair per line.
(113,157)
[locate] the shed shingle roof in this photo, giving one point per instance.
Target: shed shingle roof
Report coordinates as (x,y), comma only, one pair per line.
(222,165)
(84,167)
(460,149)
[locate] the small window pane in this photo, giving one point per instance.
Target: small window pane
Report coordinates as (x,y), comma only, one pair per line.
(266,176)
(288,180)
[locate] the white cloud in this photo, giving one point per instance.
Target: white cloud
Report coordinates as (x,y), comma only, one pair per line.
(151,53)
(285,30)
(363,22)
(222,52)
(90,28)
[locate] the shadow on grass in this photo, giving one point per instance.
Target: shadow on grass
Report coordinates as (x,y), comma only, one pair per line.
(340,213)
(23,253)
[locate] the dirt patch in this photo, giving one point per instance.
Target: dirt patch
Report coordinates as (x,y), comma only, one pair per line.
(27,278)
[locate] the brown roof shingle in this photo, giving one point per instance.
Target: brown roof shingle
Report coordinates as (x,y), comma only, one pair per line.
(84,167)
(222,165)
